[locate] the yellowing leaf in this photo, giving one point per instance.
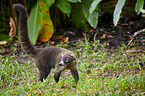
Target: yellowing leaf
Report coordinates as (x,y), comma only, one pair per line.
(47,28)
(46,33)
(103,36)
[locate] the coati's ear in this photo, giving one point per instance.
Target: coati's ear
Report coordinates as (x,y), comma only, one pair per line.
(72,55)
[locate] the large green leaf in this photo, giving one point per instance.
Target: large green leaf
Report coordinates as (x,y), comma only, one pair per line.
(48,2)
(34,23)
(92,18)
(78,16)
(117,12)
(139,6)
(94,5)
(73,1)
(64,6)
(4,37)
(86,6)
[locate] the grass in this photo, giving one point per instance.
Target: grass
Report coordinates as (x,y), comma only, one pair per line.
(101,73)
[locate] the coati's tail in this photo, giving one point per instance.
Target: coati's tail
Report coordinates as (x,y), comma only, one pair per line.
(23,30)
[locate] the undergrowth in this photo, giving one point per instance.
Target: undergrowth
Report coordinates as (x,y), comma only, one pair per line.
(101,72)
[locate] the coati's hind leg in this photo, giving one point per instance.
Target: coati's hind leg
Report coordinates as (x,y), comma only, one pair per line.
(43,74)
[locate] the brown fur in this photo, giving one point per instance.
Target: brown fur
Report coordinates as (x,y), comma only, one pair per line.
(45,58)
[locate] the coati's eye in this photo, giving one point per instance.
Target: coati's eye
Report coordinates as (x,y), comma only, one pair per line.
(66,60)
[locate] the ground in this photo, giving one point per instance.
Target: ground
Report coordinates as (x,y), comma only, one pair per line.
(106,65)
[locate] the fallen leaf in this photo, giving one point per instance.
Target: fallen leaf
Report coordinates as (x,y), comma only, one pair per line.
(135,51)
(57,36)
(3,42)
(84,34)
(91,30)
(65,39)
(51,42)
(103,36)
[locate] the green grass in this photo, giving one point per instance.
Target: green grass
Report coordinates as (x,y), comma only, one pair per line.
(101,73)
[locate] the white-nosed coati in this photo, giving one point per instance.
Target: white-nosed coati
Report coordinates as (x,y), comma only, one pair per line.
(45,58)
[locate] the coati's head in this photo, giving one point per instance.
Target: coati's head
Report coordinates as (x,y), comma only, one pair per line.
(66,61)
(66,58)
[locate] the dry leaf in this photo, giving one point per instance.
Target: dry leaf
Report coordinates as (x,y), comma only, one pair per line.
(12,32)
(84,34)
(65,39)
(91,30)
(135,51)
(51,42)
(57,36)
(3,42)
(143,40)
(103,36)
(105,44)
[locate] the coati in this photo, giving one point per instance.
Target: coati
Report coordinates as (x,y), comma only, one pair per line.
(45,58)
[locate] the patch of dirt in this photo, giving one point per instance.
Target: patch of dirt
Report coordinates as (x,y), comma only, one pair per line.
(110,36)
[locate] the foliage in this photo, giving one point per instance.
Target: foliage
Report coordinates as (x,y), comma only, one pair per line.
(64,6)
(89,11)
(100,72)
(79,11)
(118,10)
(139,6)
(119,6)
(4,23)
(47,28)
(34,23)
(4,37)
(92,16)
(78,16)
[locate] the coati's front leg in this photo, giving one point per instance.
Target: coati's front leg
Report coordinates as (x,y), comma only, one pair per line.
(44,73)
(57,75)
(58,70)
(74,72)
